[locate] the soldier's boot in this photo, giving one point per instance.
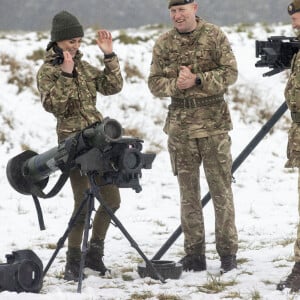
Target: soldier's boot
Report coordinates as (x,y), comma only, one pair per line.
(293,279)
(94,256)
(72,267)
(193,262)
(228,263)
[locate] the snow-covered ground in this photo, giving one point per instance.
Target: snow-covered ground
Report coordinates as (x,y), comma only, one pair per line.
(265,192)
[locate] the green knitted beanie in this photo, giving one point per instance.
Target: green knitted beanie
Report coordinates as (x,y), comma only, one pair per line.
(65,26)
(179,2)
(294,7)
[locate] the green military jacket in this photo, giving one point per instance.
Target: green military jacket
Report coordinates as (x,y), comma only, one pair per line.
(208,52)
(72,99)
(292,97)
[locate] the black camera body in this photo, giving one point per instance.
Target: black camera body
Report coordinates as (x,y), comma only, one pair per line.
(276,53)
(23,272)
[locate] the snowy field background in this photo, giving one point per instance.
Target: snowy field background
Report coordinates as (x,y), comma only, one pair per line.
(265,192)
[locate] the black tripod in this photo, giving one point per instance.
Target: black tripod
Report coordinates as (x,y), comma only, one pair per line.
(89,200)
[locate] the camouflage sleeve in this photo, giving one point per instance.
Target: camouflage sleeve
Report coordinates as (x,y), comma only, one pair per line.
(217,80)
(109,81)
(158,83)
(54,89)
(292,88)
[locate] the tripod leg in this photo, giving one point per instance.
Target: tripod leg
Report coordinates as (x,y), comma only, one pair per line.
(85,237)
(62,240)
(132,242)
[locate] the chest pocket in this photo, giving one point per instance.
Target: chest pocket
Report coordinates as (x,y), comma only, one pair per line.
(171,63)
(205,59)
(87,86)
(201,60)
(91,88)
(87,97)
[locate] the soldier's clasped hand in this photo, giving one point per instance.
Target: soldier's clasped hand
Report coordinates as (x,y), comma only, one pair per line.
(186,78)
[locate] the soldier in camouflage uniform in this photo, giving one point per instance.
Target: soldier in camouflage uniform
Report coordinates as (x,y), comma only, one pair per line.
(292,96)
(194,64)
(68,88)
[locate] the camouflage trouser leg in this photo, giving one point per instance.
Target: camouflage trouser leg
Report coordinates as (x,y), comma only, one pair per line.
(110,195)
(186,157)
(185,163)
(217,162)
(297,243)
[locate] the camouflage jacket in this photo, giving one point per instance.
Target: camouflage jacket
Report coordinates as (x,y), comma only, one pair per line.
(292,89)
(292,97)
(72,99)
(208,52)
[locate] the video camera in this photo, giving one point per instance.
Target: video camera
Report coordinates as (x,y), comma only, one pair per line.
(99,148)
(276,53)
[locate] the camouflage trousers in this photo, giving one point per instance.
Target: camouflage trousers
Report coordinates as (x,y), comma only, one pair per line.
(109,193)
(186,157)
(297,242)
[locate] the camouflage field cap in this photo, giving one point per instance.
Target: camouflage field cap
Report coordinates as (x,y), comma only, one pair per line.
(180,2)
(294,7)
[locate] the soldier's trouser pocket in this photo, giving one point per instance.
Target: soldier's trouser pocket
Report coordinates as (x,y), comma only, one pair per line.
(293,147)
(173,162)
(167,124)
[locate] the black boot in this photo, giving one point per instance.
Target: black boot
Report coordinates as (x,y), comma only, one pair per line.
(292,281)
(73,265)
(94,256)
(228,263)
(193,262)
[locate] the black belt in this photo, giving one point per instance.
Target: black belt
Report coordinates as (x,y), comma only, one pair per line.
(295,117)
(196,102)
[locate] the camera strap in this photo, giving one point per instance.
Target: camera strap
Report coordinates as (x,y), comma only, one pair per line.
(36,191)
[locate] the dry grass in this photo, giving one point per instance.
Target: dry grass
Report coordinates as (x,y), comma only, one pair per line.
(132,72)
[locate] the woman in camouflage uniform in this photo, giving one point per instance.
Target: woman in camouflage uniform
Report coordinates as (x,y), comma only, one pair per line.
(68,87)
